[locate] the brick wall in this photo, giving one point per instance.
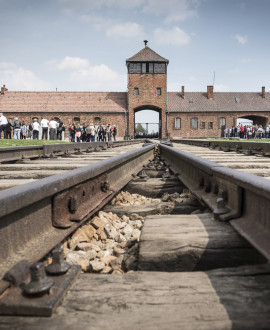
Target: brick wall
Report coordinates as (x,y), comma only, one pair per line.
(187,131)
(147,98)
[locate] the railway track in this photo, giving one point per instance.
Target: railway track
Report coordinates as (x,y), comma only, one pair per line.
(217,278)
(27,164)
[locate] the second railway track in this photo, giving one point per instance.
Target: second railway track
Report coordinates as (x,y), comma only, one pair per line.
(194,270)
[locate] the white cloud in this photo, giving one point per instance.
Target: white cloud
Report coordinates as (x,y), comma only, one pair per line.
(16,78)
(173,10)
(170,10)
(73,63)
(113,28)
(173,36)
(241,39)
(83,76)
(124,30)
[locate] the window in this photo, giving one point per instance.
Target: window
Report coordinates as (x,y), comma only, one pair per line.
(159,68)
(237,100)
(136,91)
(158,91)
(194,123)
(191,100)
(76,119)
(177,123)
(97,119)
(210,125)
(222,122)
(202,125)
(135,68)
(147,67)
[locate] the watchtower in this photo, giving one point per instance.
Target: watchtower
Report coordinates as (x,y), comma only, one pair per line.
(147,86)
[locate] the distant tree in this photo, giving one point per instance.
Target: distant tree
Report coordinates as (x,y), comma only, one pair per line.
(140,129)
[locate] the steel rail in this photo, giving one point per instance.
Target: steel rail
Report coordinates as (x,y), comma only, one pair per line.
(26,152)
(35,217)
(241,198)
(229,145)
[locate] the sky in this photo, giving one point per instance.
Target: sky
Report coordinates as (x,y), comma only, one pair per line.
(82,45)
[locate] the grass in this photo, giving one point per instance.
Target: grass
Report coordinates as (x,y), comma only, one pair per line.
(242,140)
(21,143)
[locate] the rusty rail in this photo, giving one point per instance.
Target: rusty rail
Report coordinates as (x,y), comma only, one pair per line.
(241,198)
(37,216)
(229,145)
(16,153)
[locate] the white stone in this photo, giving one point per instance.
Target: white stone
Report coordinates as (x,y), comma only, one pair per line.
(110,231)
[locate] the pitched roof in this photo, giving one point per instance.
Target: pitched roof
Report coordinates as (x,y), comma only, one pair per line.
(147,55)
(63,101)
(222,101)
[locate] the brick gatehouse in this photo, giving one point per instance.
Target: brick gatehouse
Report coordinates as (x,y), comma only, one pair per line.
(181,114)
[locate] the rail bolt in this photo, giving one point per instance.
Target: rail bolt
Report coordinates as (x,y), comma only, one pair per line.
(167,174)
(143,175)
(221,208)
(58,265)
(73,204)
(105,186)
(40,283)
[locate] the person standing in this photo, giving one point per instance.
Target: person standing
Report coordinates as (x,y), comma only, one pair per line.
(3,125)
(9,129)
(78,133)
(92,133)
(29,131)
(59,129)
(114,132)
(23,131)
(35,129)
(53,129)
(16,129)
(44,126)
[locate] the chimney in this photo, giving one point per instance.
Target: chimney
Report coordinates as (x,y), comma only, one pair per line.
(263,92)
(183,92)
(210,92)
(3,89)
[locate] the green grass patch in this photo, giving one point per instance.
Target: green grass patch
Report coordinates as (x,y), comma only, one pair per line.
(21,143)
(242,140)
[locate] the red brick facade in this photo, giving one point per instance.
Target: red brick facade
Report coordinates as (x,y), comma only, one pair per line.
(148,87)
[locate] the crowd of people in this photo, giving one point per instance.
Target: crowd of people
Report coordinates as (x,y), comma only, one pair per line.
(91,133)
(248,132)
(32,130)
(53,129)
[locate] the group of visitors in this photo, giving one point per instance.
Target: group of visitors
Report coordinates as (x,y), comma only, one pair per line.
(24,130)
(248,132)
(91,132)
(54,130)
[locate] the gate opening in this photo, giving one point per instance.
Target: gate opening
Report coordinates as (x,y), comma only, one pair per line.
(147,124)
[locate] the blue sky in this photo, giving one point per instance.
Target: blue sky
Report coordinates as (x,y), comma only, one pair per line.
(82,45)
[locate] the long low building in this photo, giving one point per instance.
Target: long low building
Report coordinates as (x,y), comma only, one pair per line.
(181,114)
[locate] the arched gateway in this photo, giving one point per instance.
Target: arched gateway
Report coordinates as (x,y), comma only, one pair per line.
(147,86)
